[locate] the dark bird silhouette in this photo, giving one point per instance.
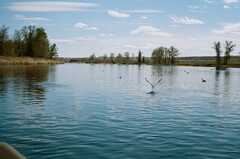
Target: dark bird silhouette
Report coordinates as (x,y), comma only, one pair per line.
(186,72)
(203,80)
(153,85)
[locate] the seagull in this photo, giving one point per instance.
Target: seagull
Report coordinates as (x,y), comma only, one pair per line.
(152,85)
(186,72)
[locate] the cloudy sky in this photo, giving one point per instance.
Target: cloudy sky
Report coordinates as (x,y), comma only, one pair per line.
(83,27)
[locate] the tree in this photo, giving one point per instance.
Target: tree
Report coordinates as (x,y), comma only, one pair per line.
(112,57)
(229,48)
(126,57)
(217,48)
(28,33)
(18,42)
(3,38)
(8,48)
(158,55)
(119,58)
(139,57)
(40,45)
(53,50)
(173,53)
(105,57)
(92,58)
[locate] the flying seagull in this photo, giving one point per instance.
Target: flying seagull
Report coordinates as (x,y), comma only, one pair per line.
(153,85)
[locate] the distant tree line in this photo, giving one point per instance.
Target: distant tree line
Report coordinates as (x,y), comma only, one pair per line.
(29,41)
(161,55)
(164,55)
(229,47)
(119,58)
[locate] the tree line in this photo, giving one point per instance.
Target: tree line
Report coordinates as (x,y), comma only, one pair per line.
(224,59)
(120,58)
(28,41)
(160,55)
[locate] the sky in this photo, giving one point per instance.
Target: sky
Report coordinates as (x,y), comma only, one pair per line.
(83,27)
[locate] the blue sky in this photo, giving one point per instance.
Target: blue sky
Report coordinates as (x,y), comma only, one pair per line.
(83,27)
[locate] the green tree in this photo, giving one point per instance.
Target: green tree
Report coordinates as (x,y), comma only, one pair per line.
(18,42)
(126,57)
(3,38)
(40,45)
(119,58)
(112,56)
(158,55)
(28,33)
(229,48)
(139,57)
(173,53)
(8,48)
(53,50)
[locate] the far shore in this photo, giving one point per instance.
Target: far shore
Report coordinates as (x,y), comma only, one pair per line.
(207,61)
(200,61)
(28,60)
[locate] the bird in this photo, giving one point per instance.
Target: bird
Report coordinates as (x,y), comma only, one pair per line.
(203,80)
(153,85)
(186,72)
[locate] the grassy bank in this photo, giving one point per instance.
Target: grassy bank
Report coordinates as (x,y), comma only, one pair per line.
(28,60)
(206,61)
(209,61)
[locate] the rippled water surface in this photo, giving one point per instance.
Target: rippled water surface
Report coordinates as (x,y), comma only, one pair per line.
(75,111)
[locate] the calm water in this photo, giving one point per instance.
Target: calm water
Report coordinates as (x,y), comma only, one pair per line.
(75,111)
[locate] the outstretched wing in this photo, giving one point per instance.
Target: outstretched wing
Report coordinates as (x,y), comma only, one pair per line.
(149,82)
(158,82)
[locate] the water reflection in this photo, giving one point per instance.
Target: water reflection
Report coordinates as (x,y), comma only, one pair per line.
(25,83)
(168,73)
(222,82)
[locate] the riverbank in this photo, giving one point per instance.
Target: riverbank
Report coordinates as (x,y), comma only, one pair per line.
(207,61)
(201,61)
(28,60)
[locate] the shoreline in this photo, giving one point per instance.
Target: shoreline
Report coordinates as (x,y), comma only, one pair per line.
(4,60)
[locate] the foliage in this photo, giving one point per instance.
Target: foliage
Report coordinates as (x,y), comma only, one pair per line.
(163,55)
(139,57)
(217,48)
(28,41)
(229,48)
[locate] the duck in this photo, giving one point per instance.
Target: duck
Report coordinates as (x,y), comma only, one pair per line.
(204,81)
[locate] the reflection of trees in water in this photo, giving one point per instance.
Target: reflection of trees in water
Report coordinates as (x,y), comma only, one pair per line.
(26,82)
(167,73)
(217,80)
(222,84)
(227,81)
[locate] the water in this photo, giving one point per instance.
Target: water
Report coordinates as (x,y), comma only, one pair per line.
(85,111)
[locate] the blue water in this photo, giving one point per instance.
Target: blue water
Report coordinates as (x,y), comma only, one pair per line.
(75,111)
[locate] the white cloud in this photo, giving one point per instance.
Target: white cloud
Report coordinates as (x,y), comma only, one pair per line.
(229,29)
(149,31)
(106,35)
(226,7)
(144,11)
(25,18)
(230,1)
(144,17)
(72,40)
(84,26)
(50,6)
(208,1)
(117,14)
(186,20)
